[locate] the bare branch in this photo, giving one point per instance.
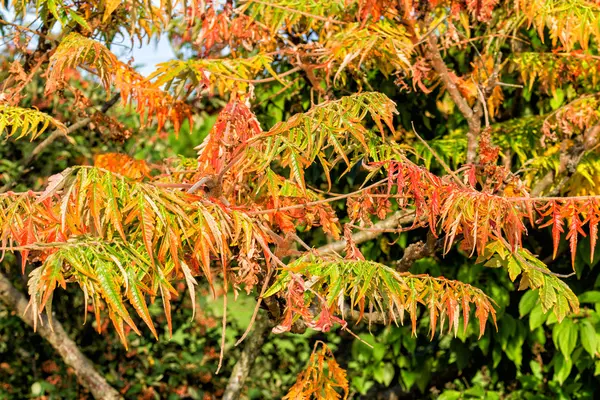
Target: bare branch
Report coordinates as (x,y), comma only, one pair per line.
(433,53)
(417,251)
(62,343)
(317,202)
(398,218)
(247,357)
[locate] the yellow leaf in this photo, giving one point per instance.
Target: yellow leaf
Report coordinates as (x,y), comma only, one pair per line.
(109,8)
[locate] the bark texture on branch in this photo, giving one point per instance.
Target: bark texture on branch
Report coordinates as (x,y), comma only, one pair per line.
(417,251)
(244,364)
(58,338)
(569,160)
(473,116)
(391,222)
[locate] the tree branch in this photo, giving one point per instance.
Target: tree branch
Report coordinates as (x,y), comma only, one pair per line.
(398,218)
(473,119)
(416,251)
(22,28)
(373,317)
(317,202)
(244,364)
(569,159)
(58,338)
(52,137)
(261,327)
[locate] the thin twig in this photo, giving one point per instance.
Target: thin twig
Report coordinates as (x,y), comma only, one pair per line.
(431,31)
(397,218)
(438,158)
(294,11)
(483,106)
(316,202)
(52,137)
(264,80)
(223,331)
(510,85)
(24,28)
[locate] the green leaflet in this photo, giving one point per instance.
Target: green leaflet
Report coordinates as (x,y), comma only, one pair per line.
(19,122)
(137,299)
(111,292)
(297,169)
(329,132)
(146,219)
(220,75)
(554,294)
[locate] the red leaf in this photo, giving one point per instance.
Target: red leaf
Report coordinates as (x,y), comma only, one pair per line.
(482,314)
(556,222)
(574,229)
(26,237)
(593,221)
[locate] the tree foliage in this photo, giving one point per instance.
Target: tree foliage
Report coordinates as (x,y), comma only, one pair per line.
(478,119)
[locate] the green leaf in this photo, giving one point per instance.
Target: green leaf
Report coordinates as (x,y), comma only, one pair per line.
(547,295)
(79,19)
(514,348)
(111,293)
(562,307)
(589,339)
(277,287)
(553,293)
(558,99)
(362,384)
(513,268)
(476,391)
(562,368)
(138,301)
(51,4)
(379,351)
(537,317)
(297,169)
(552,319)
(566,337)
(384,373)
(593,296)
(450,395)
(409,377)
(25,122)
(528,301)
